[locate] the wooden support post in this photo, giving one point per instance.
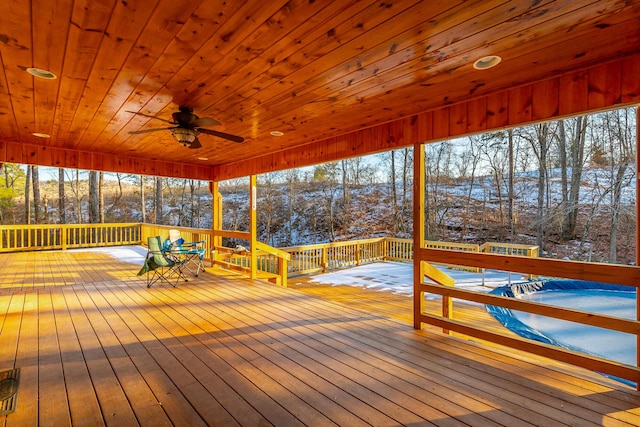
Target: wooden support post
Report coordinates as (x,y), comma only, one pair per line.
(216,213)
(324,259)
(418,230)
(64,231)
(253,213)
(637,235)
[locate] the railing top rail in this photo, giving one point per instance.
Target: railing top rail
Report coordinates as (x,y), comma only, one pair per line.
(331,244)
(451,244)
(55,225)
(579,270)
(273,251)
(175,227)
(509,245)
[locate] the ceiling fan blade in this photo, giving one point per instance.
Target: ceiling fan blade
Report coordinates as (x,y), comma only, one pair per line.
(134,132)
(204,121)
(195,143)
(228,136)
(150,116)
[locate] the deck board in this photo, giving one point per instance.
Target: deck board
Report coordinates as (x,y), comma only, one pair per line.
(96,347)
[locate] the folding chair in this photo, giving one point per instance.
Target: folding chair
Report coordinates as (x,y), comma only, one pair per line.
(191,252)
(160,265)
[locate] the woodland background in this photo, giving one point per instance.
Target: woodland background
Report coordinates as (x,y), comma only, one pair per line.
(567,186)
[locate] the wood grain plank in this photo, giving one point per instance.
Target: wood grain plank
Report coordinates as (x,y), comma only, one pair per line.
(630,84)
(83,403)
(123,349)
(605,85)
(16,55)
(50,25)
(53,406)
(574,93)
(346,339)
(113,402)
(26,413)
(546,99)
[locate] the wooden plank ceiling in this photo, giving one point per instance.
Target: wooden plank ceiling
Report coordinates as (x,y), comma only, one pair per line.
(313,70)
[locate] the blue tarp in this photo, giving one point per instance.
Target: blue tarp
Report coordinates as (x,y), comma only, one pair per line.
(509,320)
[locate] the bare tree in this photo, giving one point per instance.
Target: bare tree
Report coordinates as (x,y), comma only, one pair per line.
(62,205)
(619,131)
(539,140)
(572,154)
(143,202)
(511,194)
(158,201)
(101,197)
(345,183)
(27,199)
(94,197)
(37,208)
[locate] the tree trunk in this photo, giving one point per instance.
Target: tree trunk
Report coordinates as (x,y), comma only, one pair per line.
(345,184)
(394,194)
(512,225)
(78,199)
(27,199)
(94,198)
(143,202)
(37,208)
(542,131)
(62,215)
(577,163)
(101,197)
(158,203)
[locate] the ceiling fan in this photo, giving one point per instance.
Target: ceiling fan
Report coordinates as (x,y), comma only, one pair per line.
(187,126)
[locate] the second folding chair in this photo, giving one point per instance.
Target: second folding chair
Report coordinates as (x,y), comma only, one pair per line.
(162,266)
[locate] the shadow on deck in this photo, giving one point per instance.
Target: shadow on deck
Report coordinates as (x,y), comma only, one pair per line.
(96,347)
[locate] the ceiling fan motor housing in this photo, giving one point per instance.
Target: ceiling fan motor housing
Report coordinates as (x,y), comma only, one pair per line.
(184,136)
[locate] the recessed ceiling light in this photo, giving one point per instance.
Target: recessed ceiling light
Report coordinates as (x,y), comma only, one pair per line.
(43,74)
(41,135)
(487,62)
(276,133)
(203,158)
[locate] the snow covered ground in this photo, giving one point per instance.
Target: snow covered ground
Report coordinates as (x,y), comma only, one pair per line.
(397,277)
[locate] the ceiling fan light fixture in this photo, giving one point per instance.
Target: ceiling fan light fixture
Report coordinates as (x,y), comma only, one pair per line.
(184,136)
(40,73)
(487,62)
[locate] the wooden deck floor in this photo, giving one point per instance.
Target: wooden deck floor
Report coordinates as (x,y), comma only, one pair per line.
(96,347)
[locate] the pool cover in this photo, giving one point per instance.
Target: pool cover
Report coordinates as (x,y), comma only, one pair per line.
(547,331)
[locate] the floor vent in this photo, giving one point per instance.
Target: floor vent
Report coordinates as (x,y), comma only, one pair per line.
(9,382)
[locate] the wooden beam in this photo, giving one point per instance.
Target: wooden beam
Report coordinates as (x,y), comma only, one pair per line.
(32,154)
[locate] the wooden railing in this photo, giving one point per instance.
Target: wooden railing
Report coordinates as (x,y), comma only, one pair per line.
(322,257)
(317,258)
(33,237)
(270,262)
(606,273)
(529,251)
